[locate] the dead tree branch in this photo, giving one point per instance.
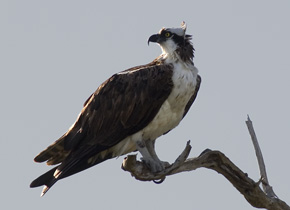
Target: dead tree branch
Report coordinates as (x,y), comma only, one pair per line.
(265,183)
(218,162)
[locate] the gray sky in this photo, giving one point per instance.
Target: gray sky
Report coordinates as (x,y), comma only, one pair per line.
(54,54)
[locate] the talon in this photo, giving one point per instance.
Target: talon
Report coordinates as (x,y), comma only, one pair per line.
(155,166)
(159,181)
(165,164)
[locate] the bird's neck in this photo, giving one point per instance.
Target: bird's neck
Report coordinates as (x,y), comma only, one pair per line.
(183,55)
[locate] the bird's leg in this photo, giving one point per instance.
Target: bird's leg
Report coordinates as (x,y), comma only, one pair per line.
(149,156)
(150,144)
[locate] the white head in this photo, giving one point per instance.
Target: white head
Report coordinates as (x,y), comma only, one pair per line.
(178,31)
(174,40)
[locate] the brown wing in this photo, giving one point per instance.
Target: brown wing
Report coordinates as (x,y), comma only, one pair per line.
(193,97)
(121,106)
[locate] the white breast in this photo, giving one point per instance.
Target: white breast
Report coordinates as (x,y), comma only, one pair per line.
(172,110)
(170,113)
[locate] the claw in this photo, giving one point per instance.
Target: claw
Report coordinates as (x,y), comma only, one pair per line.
(159,181)
(155,166)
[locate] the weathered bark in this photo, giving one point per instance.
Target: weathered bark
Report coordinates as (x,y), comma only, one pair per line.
(265,183)
(218,162)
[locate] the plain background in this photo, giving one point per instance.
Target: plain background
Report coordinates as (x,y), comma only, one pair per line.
(54,54)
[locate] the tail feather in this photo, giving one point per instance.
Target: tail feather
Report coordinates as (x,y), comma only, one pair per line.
(47,187)
(46,179)
(65,169)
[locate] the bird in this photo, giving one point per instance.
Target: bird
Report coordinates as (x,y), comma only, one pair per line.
(128,112)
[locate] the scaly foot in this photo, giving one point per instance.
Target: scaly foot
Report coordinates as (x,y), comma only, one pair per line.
(155,166)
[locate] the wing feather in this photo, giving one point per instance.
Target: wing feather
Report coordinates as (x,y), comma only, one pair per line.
(121,106)
(193,97)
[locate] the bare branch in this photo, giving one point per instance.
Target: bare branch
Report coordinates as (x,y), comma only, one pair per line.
(214,160)
(265,183)
(141,172)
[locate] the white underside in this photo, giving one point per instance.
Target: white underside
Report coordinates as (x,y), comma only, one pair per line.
(170,113)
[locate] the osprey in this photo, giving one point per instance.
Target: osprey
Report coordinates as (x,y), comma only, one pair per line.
(128,112)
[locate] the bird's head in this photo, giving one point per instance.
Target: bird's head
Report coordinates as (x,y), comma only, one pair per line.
(174,40)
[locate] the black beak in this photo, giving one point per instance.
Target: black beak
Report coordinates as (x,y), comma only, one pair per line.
(154,38)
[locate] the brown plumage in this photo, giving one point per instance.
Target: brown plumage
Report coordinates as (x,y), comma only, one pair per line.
(125,109)
(122,106)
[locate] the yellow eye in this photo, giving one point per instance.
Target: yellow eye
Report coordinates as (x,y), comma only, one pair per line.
(167,34)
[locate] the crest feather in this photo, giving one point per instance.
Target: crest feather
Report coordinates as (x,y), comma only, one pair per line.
(183,26)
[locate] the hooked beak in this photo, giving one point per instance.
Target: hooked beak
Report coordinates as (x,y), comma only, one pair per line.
(154,38)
